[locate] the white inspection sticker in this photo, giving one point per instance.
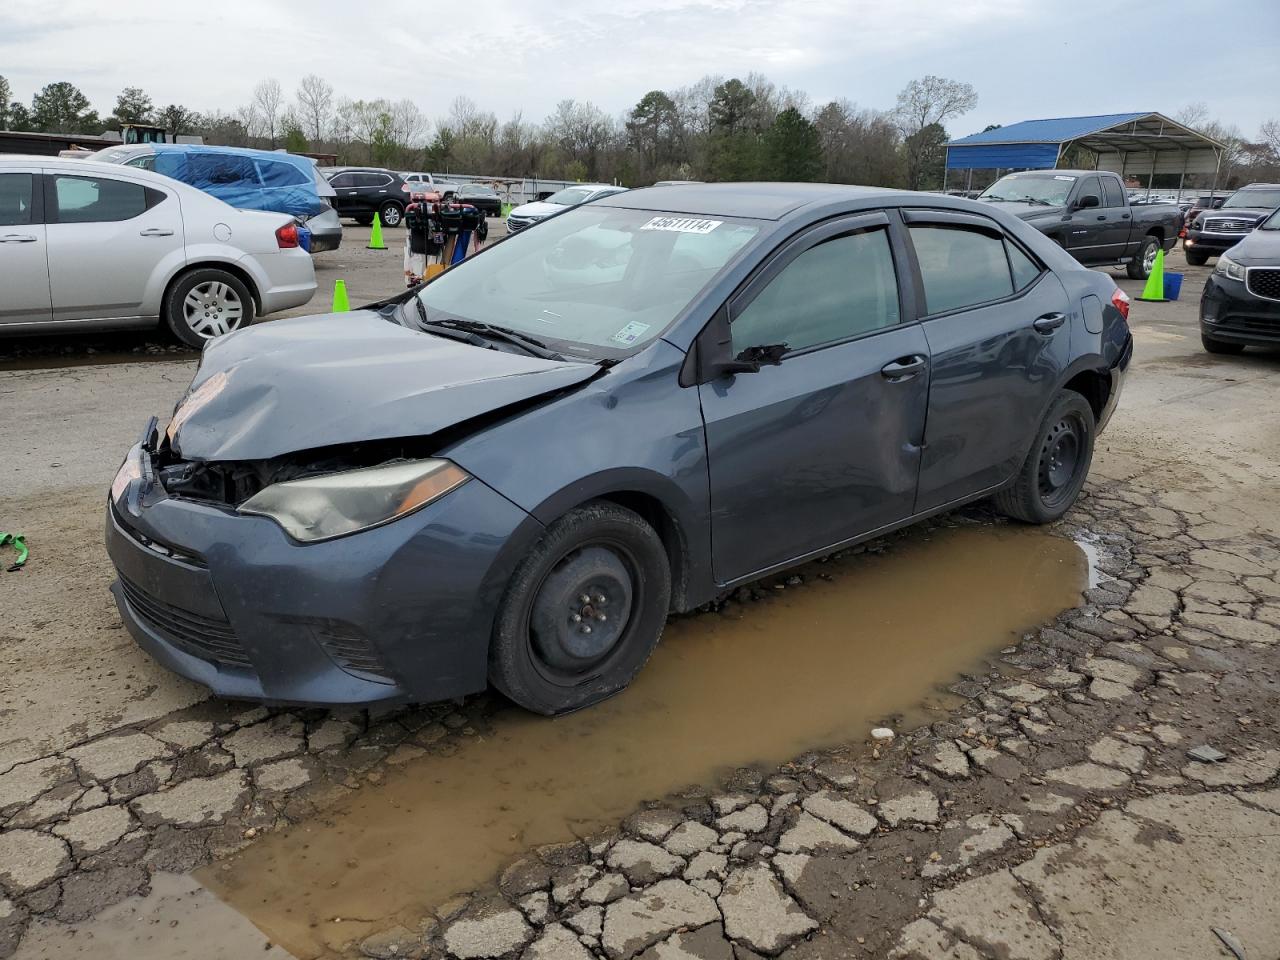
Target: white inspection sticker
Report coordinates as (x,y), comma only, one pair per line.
(632,332)
(682,224)
(1071,179)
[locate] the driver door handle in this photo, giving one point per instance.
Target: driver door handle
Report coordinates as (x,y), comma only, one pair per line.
(1050,322)
(904,368)
(155,232)
(17,238)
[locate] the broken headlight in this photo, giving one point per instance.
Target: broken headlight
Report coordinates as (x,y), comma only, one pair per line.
(334,505)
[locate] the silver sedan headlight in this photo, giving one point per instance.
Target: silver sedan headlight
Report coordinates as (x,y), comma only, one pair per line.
(337,504)
(1229,268)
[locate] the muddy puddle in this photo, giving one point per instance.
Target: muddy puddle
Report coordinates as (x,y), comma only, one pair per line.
(808,667)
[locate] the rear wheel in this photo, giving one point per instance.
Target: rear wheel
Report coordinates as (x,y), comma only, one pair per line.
(1195,258)
(1055,470)
(583,611)
(1140,267)
(363,221)
(391,214)
(1220,346)
(205,304)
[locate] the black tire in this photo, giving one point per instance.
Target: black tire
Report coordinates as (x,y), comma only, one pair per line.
(363,221)
(1195,258)
(1137,267)
(1051,477)
(1220,346)
(217,303)
(391,214)
(544,659)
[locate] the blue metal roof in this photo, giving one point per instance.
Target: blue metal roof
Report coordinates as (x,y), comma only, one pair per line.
(1057,130)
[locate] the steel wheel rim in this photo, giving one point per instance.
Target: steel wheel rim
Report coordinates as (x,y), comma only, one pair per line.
(1061,456)
(615,634)
(212,308)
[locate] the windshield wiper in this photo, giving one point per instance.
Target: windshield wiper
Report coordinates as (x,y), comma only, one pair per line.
(1043,203)
(479,332)
(995,199)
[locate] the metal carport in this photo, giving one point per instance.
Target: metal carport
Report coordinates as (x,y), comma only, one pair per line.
(1137,144)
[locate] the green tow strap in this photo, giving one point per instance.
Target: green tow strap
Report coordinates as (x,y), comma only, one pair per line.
(20,547)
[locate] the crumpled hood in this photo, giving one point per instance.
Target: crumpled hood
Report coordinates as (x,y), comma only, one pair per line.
(310,382)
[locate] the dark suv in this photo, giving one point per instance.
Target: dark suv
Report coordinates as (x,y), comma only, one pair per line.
(360,192)
(1215,231)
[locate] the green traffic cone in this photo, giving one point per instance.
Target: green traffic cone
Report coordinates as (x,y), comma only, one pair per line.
(1154,290)
(375,238)
(340,302)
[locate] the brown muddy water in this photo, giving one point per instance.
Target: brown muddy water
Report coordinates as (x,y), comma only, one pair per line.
(812,666)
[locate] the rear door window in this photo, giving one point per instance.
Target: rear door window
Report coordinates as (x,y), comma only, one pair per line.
(960,266)
(96,199)
(1113,196)
(274,173)
(1025,270)
(835,290)
(218,170)
(16,196)
(371,179)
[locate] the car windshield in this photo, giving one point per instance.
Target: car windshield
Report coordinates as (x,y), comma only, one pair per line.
(1046,188)
(478,192)
(1266,199)
(570,196)
(593,281)
(1271,223)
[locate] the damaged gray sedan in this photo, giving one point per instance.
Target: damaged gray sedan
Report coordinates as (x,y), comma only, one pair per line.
(512,475)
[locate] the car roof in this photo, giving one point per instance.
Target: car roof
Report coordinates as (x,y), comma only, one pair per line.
(760,201)
(1260,186)
(74,165)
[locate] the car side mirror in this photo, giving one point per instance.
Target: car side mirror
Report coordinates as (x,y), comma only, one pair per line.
(752,359)
(1087,201)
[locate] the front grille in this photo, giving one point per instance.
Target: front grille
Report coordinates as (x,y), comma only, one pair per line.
(204,637)
(1228,225)
(514,224)
(1263,282)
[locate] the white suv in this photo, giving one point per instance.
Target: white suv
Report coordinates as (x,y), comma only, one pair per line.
(86,245)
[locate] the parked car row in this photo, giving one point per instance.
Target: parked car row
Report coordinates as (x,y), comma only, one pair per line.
(530,213)
(1212,232)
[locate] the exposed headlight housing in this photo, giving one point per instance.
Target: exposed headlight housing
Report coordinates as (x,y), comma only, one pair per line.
(1229,268)
(338,504)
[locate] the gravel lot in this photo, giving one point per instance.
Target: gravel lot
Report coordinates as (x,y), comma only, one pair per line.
(1045,807)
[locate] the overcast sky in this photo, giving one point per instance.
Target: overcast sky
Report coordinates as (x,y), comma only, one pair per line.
(1026,58)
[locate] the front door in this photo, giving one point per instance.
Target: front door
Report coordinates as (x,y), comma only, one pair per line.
(24,264)
(107,237)
(824,445)
(998,327)
(1087,229)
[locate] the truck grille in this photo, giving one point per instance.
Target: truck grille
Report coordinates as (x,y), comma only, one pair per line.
(1263,282)
(1228,224)
(204,637)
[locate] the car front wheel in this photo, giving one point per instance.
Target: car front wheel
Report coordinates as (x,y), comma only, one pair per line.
(1195,258)
(1055,470)
(583,611)
(1220,346)
(205,304)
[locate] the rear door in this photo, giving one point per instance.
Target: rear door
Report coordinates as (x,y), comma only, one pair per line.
(997,324)
(373,189)
(24,265)
(824,445)
(107,236)
(1117,222)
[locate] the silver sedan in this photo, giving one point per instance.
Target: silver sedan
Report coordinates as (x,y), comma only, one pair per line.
(86,245)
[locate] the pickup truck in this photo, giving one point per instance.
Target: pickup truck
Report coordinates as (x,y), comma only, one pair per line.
(1089,215)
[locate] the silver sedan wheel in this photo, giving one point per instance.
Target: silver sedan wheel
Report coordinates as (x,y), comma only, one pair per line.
(212,309)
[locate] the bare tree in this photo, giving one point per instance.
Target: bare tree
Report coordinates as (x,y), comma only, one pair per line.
(267,97)
(315,106)
(932,100)
(1194,115)
(1269,136)
(408,124)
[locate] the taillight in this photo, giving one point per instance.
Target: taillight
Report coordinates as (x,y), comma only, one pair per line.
(1120,300)
(287,236)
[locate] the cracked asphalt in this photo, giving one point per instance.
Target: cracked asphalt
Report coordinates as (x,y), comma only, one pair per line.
(1049,808)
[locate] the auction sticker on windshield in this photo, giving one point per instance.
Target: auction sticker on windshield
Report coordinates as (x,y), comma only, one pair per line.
(632,332)
(682,224)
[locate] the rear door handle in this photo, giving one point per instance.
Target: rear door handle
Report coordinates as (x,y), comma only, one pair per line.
(1050,322)
(17,238)
(155,232)
(904,367)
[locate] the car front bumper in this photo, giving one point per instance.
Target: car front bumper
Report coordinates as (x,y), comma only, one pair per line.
(1212,244)
(402,612)
(1231,314)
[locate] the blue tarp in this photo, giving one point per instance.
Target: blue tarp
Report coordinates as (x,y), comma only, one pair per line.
(249,179)
(1028,145)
